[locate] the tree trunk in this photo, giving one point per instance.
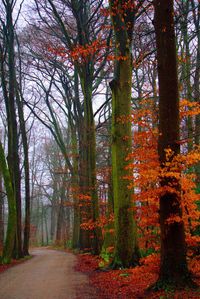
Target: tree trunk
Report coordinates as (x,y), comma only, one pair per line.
(90,240)
(59,224)
(109,237)
(74,184)
(11,227)
(53,217)
(13,155)
(187,69)
(173,267)
(46,226)
(196,88)
(60,220)
(42,225)
(90,158)
(85,211)
(27,174)
(1,215)
(126,250)
(125,227)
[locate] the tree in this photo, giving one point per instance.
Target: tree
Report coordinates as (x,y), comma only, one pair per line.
(126,251)
(8,81)
(12,216)
(1,215)
(196,85)
(173,269)
(24,136)
(82,47)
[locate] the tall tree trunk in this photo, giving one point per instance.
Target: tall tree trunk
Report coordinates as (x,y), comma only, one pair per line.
(76,217)
(1,215)
(27,174)
(11,226)
(196,87)
(126,250)
(187,69)
(125,227)
(85,211)
(13,147)
(109,237)
(173,267)
(53,214)
(90,158)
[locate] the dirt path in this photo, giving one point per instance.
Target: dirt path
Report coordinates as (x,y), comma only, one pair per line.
(48,275)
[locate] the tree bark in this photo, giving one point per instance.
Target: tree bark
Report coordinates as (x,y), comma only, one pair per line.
(90,158)
(11,227)
(126,250)
(173,269)
(1,215)
(76,217)
(13,147)
(196,87)
(26,172)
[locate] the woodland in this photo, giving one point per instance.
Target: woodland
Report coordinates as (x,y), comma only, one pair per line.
(100,140)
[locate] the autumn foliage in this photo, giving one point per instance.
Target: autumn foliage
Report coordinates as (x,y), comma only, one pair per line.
(146,176)
(132,283)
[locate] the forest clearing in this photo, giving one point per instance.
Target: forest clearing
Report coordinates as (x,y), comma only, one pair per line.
(99,149)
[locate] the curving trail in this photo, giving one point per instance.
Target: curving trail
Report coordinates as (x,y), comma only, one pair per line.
(48,275)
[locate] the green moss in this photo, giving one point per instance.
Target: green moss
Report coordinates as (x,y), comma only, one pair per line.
(11,227)
(125,227)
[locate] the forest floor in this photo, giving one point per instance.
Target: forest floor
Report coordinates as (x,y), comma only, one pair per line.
(57,274)
(49,274)
(134,283)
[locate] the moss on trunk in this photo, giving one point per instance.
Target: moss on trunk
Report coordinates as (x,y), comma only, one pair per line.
(125,227)
(12,216)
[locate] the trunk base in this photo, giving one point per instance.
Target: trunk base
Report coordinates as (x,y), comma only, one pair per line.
(117,264)
(178,283)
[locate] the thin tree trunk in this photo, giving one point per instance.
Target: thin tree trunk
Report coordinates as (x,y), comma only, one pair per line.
(90,159)
(187,70)
(1,215)
(109,236)
(93,240)
(60,219)
(27,174)
(85,213)
(74,183)
(46,227)
(53,220)
(196,88)
(42,226)
(59,225)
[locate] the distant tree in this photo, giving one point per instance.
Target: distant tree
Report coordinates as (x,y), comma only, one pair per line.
(83,51)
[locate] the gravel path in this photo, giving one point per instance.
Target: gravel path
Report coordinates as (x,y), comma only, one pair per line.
(48,275)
